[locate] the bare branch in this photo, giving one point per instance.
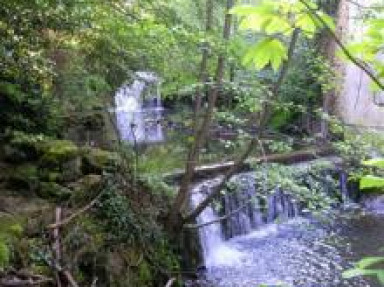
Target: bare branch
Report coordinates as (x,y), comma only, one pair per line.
(75,214)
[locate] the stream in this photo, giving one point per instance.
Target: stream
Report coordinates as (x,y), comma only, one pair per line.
(284,247)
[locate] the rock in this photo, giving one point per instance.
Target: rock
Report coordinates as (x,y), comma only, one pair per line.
(93,121)
(87,183)
(52,190)
(14,155)
(21,147)
(57,152)
(60,161)
(23,176)
(71,169)
(95,161)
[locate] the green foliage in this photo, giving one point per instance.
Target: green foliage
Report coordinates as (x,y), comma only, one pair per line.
(57,151)
(364,268)
(267,51)
(10,231)
(369,181)
(276,19)
(368,46)
(313,185)
(376,162)
(4,254)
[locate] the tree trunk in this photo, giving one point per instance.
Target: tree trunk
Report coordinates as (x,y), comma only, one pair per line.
(263,121)
(203,76)
(201,132)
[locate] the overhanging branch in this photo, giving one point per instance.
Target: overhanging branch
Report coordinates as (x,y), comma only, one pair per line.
(362,65)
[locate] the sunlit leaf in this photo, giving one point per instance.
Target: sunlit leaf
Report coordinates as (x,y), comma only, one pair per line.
(376,162)
(370,181)
(268,51)
(369,261)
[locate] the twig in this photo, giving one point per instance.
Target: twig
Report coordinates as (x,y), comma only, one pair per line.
(76,214)
(229,215)
(56,243)
(20,283)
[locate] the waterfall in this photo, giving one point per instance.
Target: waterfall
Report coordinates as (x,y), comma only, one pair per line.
(247,214)
(215,250)
(139,109)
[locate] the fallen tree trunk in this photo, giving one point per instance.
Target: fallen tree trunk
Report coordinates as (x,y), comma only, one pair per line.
(210,171)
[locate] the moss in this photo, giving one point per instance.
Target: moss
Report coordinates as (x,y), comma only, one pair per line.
(52,190)
(85,188)
(55,152)
(11,231)
(4,254)
(98,160)
(24,176)
(145,274)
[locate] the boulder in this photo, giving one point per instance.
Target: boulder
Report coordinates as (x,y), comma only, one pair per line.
(57,152)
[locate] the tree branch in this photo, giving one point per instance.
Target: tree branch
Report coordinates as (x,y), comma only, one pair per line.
(362,65)
(75,214)
(255,140)
(201,133)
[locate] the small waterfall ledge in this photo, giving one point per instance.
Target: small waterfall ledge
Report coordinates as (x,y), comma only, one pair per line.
(248,214)
(250,211)
(139,110)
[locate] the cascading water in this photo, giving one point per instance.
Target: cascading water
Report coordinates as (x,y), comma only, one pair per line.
(215,249)
(139,110)
(267,241)
(247,215)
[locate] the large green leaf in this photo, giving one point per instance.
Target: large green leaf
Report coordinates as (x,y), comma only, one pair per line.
(376,162)
(369,261)
(359,272)
(268,51)
(370,181)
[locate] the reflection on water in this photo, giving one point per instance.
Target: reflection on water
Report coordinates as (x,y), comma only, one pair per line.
(301,253)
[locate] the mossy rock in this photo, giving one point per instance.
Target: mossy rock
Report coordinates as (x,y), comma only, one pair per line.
(85,188)
(94,121)
(15,155)
(50,175)
(54,191)
(87,183)
(11,231)
(24,177)
(95,161)
(56,152)
(21,147)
